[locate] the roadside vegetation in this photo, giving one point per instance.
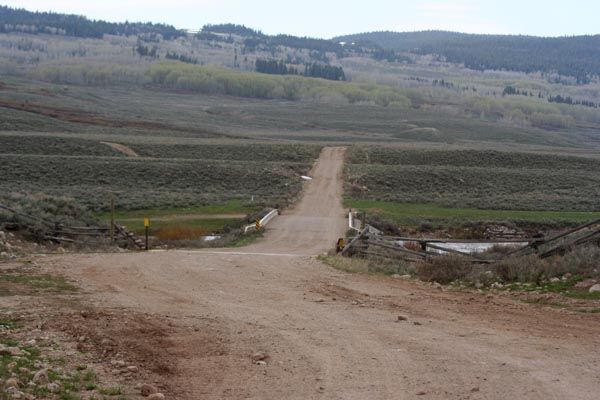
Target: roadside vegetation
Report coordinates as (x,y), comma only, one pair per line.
(36,215)
(566,281)
(560,274)
(151,183)
(18,282)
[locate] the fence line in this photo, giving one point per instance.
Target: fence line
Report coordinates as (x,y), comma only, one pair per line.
(370,241)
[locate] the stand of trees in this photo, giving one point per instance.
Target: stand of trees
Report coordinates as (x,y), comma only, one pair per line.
(325,71)
(559,99)
(254,38)
(319,48)
(513,91)
(569,100)
(390,56)
(181,57)
(20,20)
(231,29)
(212,37)
(274,67)
(145,51)
(443,83)
(315,70)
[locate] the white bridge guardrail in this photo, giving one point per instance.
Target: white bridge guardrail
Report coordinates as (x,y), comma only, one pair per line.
(351,221)
(264,221)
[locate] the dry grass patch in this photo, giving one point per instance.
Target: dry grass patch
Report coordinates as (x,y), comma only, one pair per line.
(180,233)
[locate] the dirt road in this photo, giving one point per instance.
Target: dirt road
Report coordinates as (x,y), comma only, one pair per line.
(332,335)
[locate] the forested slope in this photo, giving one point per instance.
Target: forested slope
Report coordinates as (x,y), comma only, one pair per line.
(20,20)
(575,56)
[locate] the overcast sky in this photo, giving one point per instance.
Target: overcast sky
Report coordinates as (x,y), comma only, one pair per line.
(328,18)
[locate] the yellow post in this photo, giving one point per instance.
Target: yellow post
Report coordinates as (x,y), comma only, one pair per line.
(147,227)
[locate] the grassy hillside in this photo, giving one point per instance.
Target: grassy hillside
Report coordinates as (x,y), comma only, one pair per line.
(154,114)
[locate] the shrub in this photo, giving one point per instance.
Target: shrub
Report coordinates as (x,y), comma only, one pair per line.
(388,267)
(38,214)
(444,269)
(582,261)
(521,269)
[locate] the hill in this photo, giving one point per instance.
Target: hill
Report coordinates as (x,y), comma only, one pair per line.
(575,56)
(20,20)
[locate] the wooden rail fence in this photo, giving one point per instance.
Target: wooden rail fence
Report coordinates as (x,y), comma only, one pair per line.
(59,233)
(371,242)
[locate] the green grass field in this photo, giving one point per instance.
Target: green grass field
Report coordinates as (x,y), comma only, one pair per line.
(412,214)
(209,219)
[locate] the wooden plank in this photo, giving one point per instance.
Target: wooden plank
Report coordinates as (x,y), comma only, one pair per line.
(426,240)
(86,228)
(534,247)
(91,234)
(128,235)
(575,243)
(574,230)
(401,249)
(62,239)
(355,240)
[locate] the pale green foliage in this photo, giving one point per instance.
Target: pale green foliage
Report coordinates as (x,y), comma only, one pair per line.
(522,111)
(247,84)
(97,74)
